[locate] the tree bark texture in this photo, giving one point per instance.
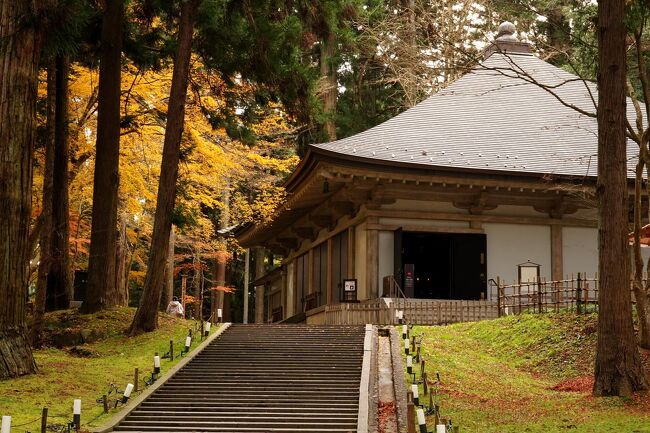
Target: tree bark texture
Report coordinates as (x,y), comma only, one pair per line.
(221,261)
(146,317)
(329,91)
(121,266)
(46,212)
(637,259)
(58,278)
(168,288)
(100,291)
(618,369)
(19,59)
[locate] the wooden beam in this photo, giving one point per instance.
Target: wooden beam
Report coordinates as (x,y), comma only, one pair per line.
(424,229)
(477,205)
(341,208)
(288,243)
(395,213)
(342,224)
(480,180)
(558,208)
(304,232)
(321,221)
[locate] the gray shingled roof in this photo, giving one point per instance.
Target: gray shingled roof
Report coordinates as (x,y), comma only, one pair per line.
(493,118)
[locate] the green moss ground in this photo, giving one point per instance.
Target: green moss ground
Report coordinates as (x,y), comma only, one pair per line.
(499,375)
(62,377)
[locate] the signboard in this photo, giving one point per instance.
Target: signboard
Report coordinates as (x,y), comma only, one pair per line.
(409,283)
(349,290)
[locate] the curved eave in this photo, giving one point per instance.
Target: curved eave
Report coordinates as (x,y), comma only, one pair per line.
(421,168)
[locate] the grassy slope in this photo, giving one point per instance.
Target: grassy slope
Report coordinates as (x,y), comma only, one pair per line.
(497,376)
(63,377)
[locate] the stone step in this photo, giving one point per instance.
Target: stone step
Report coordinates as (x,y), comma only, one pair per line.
(262,378)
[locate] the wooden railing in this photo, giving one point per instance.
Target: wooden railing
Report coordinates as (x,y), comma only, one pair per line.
(419,311)
(579,294)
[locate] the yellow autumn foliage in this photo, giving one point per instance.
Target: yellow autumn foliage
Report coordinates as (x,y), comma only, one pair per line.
(217,174)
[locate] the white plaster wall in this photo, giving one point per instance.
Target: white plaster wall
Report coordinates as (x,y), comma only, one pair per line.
(360,260)
(511,244)
(579,250)
(422,222)
(386,256)
(291,297)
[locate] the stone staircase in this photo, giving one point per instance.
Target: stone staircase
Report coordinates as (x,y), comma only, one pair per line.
(262,378)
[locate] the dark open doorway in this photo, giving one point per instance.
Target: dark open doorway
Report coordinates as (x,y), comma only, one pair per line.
(441,265)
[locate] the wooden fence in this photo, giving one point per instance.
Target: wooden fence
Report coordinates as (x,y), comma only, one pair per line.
(579,294)
(419,311)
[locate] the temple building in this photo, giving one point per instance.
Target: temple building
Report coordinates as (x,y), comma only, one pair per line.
(496,170)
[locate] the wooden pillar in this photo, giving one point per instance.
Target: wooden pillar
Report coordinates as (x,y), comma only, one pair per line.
(283,292)
(217,297)
(247,256)
(259,290)
(372,269)
(332,295)
(311,288)
(351,252)
(556,252)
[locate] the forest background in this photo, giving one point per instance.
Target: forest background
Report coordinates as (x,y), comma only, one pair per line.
(152,114)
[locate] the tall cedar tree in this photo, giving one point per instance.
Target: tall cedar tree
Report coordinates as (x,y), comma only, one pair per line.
(19,59)
(618,363)
(146,317)
(329,89)
(58,276)
(46,210)
(101,262)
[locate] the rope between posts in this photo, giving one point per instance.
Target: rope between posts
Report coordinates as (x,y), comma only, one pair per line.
(27,423)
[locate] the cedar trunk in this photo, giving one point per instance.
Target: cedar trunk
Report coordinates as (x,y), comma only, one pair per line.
(146,317)
(329,91)
(618,369)
(121,270)
(219,296)
(100,291)
(637,259)
(168,288)
(19,58)
(36,336)
(58,277)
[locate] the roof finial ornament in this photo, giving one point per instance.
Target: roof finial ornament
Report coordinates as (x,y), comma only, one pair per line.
(506,32)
